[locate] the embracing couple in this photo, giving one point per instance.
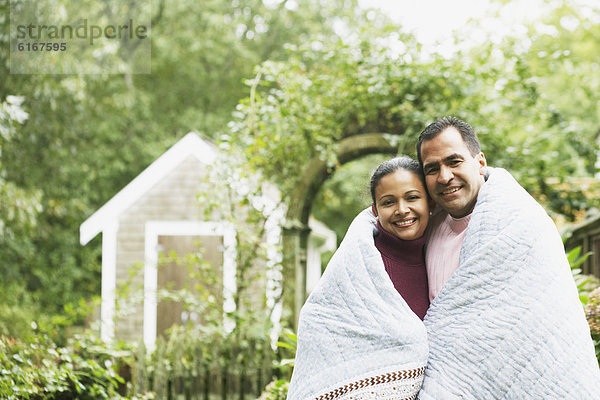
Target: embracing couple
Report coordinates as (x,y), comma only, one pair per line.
(473,301)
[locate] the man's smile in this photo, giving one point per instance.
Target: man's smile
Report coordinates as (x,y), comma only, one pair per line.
(450,190)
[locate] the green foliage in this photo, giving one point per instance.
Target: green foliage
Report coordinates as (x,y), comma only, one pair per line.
(288,349)
(203,357)
(585,283)
(84,369)
(276,390)
(70,142)
(329,89)
(21,317)
(18,221)
(202,52)
(524,120)
(589,294)
(244,202)
(592,311)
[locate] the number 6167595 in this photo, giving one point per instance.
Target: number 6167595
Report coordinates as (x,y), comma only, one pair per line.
(41,46)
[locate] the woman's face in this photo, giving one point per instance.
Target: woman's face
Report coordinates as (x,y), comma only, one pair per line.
(401,204)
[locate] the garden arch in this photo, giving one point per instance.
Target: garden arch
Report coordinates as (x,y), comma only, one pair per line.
(295,233)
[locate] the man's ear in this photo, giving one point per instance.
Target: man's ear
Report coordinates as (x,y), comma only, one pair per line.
(482,163)
(374,209)
(432,205)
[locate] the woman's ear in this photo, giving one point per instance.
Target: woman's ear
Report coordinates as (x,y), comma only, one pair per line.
(374,209)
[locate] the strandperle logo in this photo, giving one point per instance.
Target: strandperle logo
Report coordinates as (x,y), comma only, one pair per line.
(82,31)
(80,37)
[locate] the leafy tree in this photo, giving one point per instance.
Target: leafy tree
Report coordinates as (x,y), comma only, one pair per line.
(87,136)
(18,221)
(329,89)
(526,122)
(203,51)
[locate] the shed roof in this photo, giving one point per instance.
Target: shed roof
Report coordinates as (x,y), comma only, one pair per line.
(190,145)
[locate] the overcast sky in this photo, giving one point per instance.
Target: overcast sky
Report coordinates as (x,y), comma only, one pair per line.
(434,21)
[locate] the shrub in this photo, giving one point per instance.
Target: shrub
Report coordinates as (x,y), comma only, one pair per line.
(276,390)
(85,369)
(585,283)
(592,313)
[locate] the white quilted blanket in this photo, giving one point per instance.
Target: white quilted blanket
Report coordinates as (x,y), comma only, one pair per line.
(357,337)
(508,324)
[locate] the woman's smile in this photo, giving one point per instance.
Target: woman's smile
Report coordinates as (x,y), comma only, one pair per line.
(405,222)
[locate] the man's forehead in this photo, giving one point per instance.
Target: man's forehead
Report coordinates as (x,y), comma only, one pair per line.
(447,143)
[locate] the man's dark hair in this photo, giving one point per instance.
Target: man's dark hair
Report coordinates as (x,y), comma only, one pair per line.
(435,128)
(390,166)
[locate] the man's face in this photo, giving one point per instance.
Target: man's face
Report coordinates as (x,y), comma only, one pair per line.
(452,174)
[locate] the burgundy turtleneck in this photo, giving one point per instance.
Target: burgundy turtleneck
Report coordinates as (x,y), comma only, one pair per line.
(405,264)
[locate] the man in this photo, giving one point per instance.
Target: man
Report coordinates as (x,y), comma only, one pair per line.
(505,319)
(454,170)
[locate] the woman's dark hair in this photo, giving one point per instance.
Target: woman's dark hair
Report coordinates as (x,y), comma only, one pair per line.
(390,166)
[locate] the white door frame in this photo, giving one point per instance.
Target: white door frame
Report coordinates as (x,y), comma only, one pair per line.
(153,230)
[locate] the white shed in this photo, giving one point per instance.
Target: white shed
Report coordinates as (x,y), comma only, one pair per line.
(158,212)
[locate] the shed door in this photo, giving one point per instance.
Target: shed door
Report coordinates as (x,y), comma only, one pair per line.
(175,275)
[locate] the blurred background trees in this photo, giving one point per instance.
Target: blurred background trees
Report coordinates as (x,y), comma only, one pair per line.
(377,79)
(87,136)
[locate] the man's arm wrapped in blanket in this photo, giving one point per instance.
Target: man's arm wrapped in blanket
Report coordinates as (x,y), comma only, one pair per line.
(508,324)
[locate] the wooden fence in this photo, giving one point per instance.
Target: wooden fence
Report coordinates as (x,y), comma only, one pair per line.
(181,376)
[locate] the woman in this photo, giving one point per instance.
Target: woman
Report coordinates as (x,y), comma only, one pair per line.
(360,334)
(400,205)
